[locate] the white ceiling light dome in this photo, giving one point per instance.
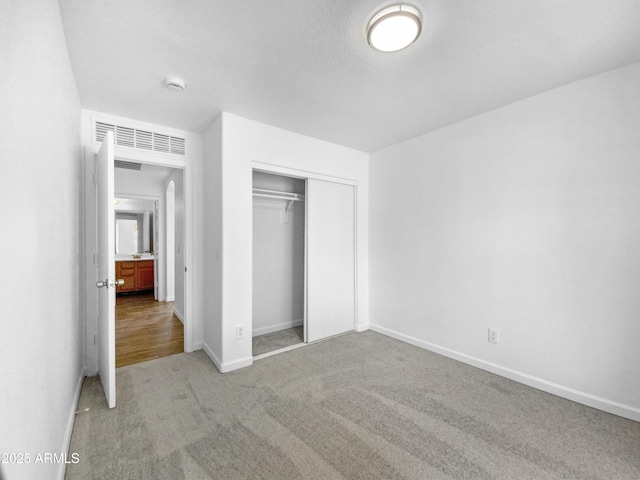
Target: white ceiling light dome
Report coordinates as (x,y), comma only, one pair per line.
(394,28)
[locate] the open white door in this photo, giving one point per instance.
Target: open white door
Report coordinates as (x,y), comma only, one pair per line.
(330,259)
(106,269)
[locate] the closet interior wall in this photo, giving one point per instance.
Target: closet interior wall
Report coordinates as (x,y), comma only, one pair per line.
(278,255)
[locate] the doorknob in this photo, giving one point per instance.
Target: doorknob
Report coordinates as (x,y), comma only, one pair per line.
(110,283)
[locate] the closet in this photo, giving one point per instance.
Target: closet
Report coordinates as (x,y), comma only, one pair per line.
(278,262)
(304,260)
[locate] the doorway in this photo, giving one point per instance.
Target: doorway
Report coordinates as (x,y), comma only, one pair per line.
(278,263)
(149,323)
(146,329)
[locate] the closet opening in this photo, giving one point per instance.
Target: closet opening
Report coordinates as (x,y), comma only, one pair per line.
(278,263)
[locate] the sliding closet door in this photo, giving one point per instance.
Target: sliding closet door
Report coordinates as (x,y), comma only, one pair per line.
(330,259)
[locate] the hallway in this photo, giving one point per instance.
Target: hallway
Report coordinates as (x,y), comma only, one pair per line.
(146,329)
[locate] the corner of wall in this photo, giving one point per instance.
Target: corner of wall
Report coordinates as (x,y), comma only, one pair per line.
(212,260)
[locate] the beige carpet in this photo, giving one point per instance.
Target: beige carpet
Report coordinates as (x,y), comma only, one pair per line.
(275,341)
(359,406)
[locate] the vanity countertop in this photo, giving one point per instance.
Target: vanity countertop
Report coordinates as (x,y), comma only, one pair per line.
(130,258)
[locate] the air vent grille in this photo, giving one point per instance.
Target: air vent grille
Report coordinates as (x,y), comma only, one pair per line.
(142,139)
(161,143)
(177,146)
(128,165)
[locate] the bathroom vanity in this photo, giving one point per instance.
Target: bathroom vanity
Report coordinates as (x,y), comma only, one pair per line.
(137,274)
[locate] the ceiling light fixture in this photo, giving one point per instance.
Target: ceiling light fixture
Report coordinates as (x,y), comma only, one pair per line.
(394,28)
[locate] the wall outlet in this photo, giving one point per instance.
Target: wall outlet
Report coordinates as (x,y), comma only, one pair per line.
(494,335)
(240,331)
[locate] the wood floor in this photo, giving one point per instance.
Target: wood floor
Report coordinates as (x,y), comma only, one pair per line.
(146,329)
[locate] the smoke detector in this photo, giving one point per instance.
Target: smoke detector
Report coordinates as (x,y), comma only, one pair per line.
(175,84)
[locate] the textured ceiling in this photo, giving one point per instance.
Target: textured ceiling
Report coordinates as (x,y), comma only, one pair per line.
(150,179)
(304,65)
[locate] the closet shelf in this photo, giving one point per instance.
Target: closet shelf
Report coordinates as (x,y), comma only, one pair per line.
(289,196)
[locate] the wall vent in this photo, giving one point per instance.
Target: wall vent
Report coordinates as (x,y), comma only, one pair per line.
(127,165)
(141,139)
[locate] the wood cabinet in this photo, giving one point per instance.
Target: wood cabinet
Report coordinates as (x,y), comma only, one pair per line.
(137,275)
(144,275)
(127,272)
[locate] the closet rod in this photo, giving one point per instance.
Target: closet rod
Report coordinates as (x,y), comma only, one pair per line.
(282,197)
(290,197)
(257,191)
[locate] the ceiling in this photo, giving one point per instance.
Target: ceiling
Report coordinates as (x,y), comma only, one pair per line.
(150,180)
(305,66)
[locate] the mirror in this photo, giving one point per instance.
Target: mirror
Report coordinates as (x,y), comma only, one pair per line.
(134,226)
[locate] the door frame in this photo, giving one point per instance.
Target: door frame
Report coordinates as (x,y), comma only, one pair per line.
(306,175)
(90,245)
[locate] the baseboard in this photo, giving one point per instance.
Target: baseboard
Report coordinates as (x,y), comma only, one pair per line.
(229,366)
(178,314)
(169,299)
(212,356)
(600,403)
(237,364)
(196,346)
(66,443)
(277,327)
(362,328)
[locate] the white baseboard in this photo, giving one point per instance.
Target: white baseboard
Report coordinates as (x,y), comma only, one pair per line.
(178,314)
(229,366)
(196,346)
(600,403)
(214,358)
(277,327)
(169,299)
(241,363)
(66,442)
(362,328)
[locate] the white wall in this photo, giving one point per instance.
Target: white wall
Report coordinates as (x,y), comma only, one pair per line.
(525,219)
(130,183)
(243,142)
(179,259)
(170,242)
(41,361)
(278,256)
(211,292)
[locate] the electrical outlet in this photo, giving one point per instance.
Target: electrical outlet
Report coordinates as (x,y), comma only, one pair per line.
(494,335)
(240,331)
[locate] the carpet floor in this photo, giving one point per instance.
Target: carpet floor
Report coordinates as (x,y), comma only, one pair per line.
(276,340)
(358,406)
